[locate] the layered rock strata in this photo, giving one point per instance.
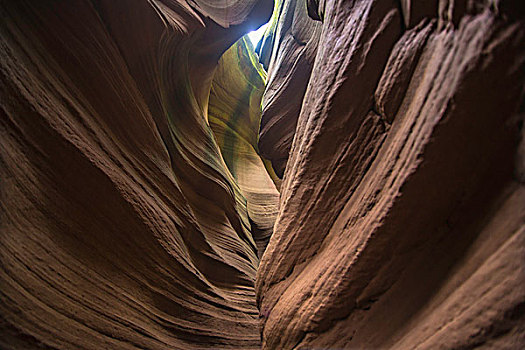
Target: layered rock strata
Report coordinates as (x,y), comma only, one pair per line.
(122,227)
(401,220)
(291,42)
(234,116)
(138,208)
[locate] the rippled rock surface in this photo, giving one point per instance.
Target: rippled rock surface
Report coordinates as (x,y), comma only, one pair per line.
(402,211)
(358,185)
(121,224)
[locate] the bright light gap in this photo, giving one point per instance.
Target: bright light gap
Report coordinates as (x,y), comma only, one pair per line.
(256,35)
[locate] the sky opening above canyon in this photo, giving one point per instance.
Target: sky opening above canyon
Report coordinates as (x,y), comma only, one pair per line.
(256,35)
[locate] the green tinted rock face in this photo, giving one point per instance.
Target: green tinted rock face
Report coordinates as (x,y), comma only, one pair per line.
(234,115)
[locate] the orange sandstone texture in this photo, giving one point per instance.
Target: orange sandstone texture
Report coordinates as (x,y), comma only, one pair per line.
(402,208)
(136,200)
(121,226)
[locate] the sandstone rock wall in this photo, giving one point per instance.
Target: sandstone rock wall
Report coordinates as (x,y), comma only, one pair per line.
(234,116)
(121,225)
(401,220)
(159,190)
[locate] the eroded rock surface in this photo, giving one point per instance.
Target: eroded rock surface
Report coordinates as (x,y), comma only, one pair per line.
(121,225)
(402,213)
(234,116)
(160,190)
(291,43)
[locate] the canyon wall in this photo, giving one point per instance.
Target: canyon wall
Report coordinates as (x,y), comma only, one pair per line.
(122,226)
(160,190)
(402,208)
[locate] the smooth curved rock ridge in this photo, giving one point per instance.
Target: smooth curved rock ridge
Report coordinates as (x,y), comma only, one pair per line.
(401,220)
(291,43)
(121,226)
(234,115)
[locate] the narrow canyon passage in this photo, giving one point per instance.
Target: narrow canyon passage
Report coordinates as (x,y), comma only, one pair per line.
(353,180)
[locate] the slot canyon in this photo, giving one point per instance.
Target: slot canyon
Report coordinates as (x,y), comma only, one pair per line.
(353,180)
